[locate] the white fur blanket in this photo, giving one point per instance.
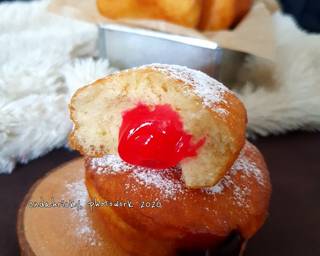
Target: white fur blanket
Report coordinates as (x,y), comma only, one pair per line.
(44,58)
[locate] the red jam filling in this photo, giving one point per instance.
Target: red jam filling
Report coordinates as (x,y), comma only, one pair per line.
(154,137)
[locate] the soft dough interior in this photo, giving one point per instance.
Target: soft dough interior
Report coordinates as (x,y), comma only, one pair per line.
(97,112)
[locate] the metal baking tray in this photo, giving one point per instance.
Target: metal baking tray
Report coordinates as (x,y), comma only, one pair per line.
(127,47)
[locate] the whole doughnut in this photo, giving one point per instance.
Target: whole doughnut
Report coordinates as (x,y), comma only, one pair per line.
(163,215)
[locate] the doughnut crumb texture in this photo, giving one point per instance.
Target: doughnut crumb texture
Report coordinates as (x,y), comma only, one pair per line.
(206,107)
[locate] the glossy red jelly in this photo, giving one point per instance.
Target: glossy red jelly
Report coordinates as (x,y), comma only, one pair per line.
(154,137)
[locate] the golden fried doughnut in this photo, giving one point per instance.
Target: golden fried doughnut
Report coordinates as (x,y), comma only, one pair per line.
(173,216)
(222,14)
(182,12)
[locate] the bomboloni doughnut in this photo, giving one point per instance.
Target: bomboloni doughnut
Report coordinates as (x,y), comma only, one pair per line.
(223,14)
(186,12)
(161,116)
(154,213)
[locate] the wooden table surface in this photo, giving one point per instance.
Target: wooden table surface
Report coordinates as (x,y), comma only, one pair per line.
(293,227)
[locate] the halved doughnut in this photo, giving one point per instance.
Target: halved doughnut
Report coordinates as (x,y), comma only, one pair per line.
(206,108)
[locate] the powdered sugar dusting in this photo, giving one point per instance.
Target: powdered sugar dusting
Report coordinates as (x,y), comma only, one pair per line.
(112,164)
(216,189)
(109,164)
(170,186)
(221,111)
(208,89)
(77,191)
(239,194)
(248,167)
(160,180)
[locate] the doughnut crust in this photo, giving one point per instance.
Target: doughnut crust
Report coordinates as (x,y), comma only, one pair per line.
(182,12)
(206,107)
(186,218)
(222,14)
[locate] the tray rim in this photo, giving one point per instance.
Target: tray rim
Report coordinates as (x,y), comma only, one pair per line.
(188,40)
